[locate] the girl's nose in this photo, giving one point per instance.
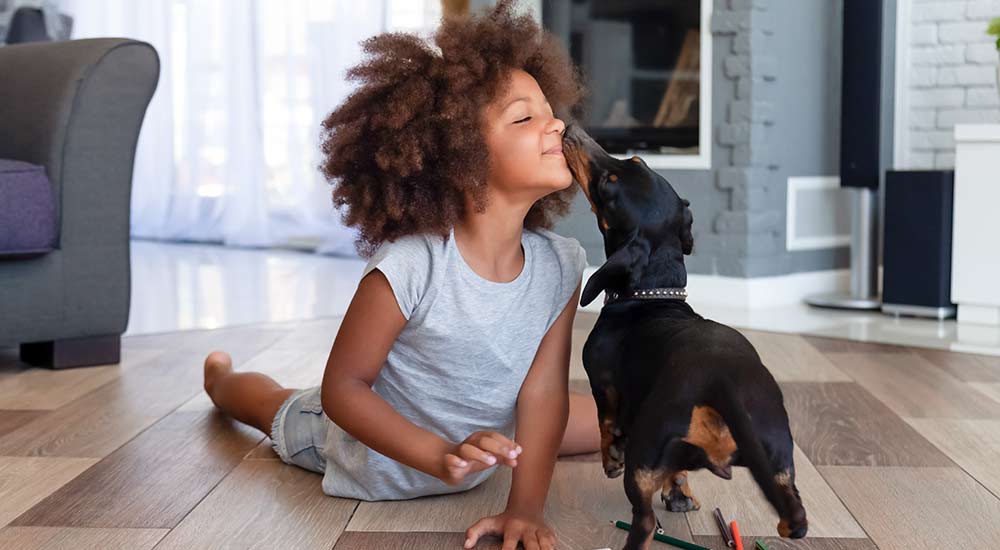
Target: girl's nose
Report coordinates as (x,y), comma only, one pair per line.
(557,125)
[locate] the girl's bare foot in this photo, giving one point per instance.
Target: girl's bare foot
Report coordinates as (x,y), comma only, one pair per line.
(217,365)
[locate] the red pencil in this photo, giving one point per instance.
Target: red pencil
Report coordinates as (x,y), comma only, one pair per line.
(736,534)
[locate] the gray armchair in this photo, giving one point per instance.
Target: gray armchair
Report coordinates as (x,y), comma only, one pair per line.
(74,108)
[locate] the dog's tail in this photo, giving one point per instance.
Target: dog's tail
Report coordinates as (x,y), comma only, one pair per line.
(750,449)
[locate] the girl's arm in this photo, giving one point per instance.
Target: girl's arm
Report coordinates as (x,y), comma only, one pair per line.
(370,327)
(542,412)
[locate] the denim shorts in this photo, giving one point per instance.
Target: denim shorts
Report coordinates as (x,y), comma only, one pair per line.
(298,432)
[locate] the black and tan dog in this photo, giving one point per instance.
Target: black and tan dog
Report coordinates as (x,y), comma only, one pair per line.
(674,391)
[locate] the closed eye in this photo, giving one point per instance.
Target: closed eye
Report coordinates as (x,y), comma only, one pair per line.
(525,119)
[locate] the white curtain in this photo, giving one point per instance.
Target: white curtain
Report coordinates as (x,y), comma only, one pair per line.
(229,147)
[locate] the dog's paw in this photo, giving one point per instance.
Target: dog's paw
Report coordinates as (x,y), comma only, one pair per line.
(676,501)
(615,452)
(793,531)
(614,459)
(614,469)
(679,498)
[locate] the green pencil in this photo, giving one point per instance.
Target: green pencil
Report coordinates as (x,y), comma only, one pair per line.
(664,538)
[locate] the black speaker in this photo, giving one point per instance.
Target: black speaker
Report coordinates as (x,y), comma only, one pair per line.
(916,277)
(861,94)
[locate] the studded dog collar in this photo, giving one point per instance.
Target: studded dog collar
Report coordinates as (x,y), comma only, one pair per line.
(648,294)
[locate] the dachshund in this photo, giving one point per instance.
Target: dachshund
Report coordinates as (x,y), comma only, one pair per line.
(674,391)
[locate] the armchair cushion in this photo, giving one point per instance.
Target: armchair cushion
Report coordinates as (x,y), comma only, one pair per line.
(27,210)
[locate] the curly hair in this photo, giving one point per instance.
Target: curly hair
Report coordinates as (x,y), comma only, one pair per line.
(407,147)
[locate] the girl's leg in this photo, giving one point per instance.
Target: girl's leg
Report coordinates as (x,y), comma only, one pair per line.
(250,397)
(582,432)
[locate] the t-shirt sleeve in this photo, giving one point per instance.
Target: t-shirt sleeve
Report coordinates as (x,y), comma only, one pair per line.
(406,265)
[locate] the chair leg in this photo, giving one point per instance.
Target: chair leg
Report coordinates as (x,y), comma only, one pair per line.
(75,352)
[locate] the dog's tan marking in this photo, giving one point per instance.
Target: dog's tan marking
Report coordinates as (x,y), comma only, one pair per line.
(783,479)
(613,177)
(635,159)
(607,437)
(650,481)
(783,529)
(709,431)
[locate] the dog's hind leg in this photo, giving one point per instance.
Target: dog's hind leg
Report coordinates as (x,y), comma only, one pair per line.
(641,483)
(794,523)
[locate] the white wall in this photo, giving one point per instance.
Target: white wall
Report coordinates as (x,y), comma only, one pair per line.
(948,75)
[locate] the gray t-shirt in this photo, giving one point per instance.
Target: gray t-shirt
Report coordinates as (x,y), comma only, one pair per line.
(459,362)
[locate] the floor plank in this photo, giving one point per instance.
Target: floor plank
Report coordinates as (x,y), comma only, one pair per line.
(79,538)
(26,481)
(264,504)
(740,498)
(580,505)
(972,444)
(316,334)
(964,366)
(911,386)
(242,342)
(791,358)
(104,419)
(154,480)
(907,508)
(826,344)
(366,540)
(840,424)
(455,512)
(988,389)
(13,420)
(46,389)
(775,543)
(263,451)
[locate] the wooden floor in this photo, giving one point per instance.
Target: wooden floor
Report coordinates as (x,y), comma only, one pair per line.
(897,448)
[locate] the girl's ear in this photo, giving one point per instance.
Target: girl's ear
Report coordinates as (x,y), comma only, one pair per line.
(623,269)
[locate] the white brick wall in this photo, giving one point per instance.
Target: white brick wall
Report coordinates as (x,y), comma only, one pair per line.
(952,76)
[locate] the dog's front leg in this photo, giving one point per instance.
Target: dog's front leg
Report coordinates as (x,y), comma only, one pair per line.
(613,438)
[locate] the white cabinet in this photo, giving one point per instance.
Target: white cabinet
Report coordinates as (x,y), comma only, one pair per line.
(975,260)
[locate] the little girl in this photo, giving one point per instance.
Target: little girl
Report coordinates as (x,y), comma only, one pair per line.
(449,163)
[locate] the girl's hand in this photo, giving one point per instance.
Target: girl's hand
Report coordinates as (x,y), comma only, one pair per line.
(478,452)
(514,528)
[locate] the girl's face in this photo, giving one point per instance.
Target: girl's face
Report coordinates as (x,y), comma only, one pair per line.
(525,142)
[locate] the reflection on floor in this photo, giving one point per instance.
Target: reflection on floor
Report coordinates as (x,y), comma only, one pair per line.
(179,286)
(188,286)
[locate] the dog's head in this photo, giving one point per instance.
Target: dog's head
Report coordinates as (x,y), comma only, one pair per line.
(646,225)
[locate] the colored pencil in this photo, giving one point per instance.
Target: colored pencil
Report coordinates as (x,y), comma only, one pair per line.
(664,538)
(736,534)
(727,537)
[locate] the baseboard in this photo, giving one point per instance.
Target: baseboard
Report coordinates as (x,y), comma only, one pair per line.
(750,293)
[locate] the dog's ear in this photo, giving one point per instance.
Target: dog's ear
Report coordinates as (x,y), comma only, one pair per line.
(687,239)
(623,268)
